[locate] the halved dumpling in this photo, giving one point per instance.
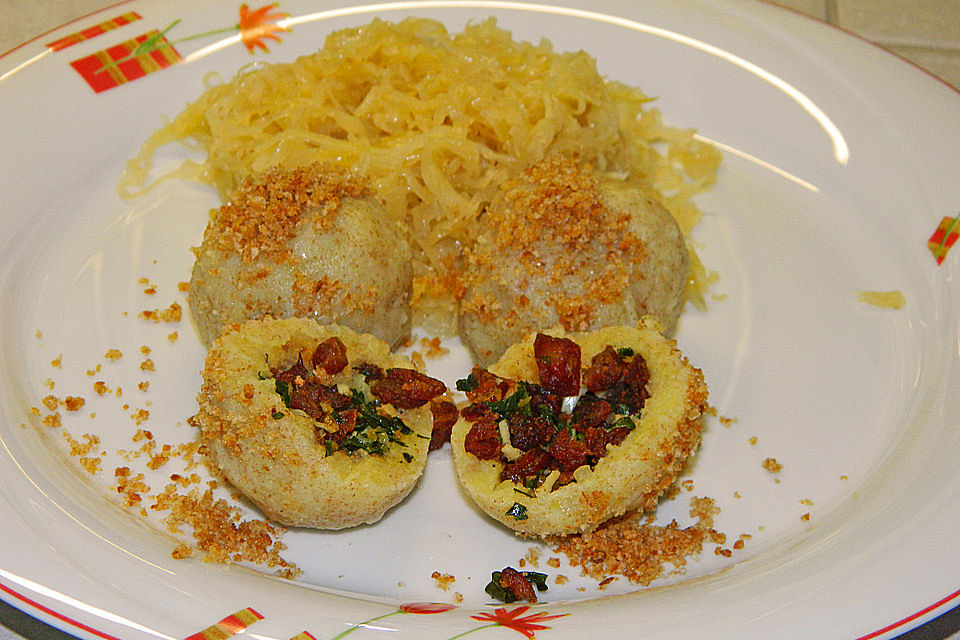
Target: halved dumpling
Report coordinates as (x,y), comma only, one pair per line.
(318,425)
(586,426)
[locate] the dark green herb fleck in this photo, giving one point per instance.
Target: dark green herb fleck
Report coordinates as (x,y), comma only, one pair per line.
(467,384)
(494,590)
(283,390)
(517,511)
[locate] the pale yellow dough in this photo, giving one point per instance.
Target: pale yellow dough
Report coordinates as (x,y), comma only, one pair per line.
(631,476)
(276,461)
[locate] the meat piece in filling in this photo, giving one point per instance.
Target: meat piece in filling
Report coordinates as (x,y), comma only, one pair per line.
(288,412)
(545,461)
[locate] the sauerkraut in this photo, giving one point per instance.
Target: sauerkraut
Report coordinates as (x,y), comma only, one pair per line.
(437,121)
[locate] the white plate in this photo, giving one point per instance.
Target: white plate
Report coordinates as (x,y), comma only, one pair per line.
(840,163)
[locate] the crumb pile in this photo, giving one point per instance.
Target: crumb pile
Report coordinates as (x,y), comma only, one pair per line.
(640,551)
(185,505)
(263,215)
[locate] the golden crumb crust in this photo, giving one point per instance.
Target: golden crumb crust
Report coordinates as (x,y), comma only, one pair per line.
(632,475)
(570,246)
(271,452)
(310,242)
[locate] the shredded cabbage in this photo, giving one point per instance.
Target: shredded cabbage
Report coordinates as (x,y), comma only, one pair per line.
(436,122)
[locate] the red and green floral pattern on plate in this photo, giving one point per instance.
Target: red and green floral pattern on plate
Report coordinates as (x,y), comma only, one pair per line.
(152,51)
(526,625)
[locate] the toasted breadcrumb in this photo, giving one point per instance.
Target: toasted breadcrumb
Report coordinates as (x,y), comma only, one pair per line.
(417,359)
(639,551)
(73,403)
(53,421)
(443,580)
(218,529)
(432,348)
(263,214)
(92,465)
(771,465)
(173,313)
(606,582)
(533,556)
(113,354)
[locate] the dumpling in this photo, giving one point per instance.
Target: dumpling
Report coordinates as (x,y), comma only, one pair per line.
(319,426)
(568,430)
(565,245)
(312,242)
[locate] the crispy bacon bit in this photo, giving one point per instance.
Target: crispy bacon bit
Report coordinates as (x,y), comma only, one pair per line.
(590,411)
(568,452)
(370,371)
(527,432)
(483,440)
(445,415)
(348,424)
(513,580)
(631,390)
(549,437)
(330,355)
(531,463)
(307,394)
(489,386)
(407,388)
(290,375)
(558,362)
(606,368)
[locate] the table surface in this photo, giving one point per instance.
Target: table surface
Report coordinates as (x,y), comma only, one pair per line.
(32,17)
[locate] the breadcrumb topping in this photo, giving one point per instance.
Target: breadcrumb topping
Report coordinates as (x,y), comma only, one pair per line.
(263,214)
(625,547)
(771,465)
(554,220)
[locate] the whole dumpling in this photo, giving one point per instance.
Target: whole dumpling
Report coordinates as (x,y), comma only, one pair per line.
(318,425)
(568,430)
(565,245)
(312,242)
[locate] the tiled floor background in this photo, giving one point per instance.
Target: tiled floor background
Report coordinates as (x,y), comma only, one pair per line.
(927,32)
